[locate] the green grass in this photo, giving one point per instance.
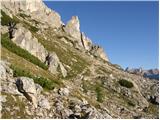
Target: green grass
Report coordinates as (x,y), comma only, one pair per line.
(125,83)
(100,93)
(44,82)
(65,57)
(5,19)
(153,109)
(24,15)
(8,44)
(97,88)
(130,103)
(30,27)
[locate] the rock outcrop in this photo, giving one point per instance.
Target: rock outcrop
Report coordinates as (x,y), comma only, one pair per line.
(98,51)
(35,8)
(73,27)
(55,64)
(86,42)
(24,38)
(78,83)
(26,86)
(83,42)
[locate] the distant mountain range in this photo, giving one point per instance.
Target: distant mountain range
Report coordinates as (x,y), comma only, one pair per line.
(151,73)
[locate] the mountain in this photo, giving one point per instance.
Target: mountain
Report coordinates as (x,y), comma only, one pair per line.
(151,74)
(53,70)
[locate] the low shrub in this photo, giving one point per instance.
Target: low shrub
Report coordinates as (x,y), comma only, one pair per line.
(44,82)
(5,19)
(100,94)
(8,44)
(125,83)
(130,103)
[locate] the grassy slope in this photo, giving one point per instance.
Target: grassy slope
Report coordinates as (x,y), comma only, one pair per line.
(66,55)
(20,62)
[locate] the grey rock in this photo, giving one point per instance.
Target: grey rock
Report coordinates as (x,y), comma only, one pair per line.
(3,98)
(63,91)
(28,85)
(55,63)
(87,43)
(39,88)
(73,28)
(98,51)
(43,103)
(24,39)
(29,88)
(36,8)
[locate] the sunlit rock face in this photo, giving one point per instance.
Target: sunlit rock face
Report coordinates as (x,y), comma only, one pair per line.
(24,39)
(73,27)
(35,8)
(99,52)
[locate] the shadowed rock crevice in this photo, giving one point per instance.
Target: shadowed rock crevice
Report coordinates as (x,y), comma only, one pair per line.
(19,85)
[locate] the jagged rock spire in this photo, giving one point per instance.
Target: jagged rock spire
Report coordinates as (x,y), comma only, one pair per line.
(73,27)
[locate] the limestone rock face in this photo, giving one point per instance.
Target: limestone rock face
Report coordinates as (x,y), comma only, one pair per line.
(82,42)
(73,29)
(35,8)
(87,43)
(24,39)
(99,52)
(55,63)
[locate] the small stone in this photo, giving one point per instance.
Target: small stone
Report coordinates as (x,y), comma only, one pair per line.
(43,103)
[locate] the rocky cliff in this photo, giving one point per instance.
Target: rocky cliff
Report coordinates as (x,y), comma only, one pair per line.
(52,70)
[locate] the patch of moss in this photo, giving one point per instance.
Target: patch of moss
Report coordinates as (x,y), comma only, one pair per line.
(125,83)
(130,103)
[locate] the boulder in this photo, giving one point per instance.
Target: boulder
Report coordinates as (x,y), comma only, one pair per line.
(43,103)
(54,64)
(63,91)
(27,87)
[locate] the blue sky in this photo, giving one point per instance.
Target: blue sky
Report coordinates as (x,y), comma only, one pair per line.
(128,31)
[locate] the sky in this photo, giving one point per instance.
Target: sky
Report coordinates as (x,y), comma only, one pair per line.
(128,31)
